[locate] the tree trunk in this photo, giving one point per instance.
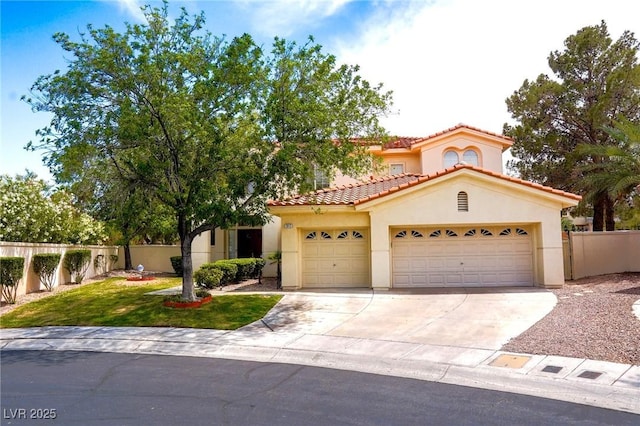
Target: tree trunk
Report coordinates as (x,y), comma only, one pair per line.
(188,292)
(127,257)
(609,214)
(598,213)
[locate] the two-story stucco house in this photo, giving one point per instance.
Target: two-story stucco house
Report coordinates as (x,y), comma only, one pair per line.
(444,215)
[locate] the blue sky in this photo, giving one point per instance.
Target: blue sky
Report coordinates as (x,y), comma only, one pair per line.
(447,61)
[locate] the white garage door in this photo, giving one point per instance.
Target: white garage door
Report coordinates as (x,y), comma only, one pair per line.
(335,258)
(462,257)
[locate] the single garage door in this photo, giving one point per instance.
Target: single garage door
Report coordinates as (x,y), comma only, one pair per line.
(462,257)
(335,258)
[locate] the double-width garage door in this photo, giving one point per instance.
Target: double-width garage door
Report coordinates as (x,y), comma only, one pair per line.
(462,257)
(335,258)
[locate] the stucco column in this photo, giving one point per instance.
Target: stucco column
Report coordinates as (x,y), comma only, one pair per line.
(380,255)
(291,279)
(549,254)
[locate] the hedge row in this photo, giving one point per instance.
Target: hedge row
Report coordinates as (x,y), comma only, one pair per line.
(223,272)
(45,265)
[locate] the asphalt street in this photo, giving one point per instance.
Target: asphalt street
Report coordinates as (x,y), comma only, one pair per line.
(89,388)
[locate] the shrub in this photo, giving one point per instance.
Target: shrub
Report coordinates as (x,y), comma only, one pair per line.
(100,264)
(113,259)
(259,265)
(77,262)
(245,268)
(202,293)
(229,271)
(45,266)
(208,276)
(11,270)
(176,263)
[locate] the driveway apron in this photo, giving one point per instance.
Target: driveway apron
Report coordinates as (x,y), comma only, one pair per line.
(465,318)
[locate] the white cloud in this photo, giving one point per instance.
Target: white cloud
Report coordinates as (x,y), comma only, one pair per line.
(283,17)
(133,8)
(457,60)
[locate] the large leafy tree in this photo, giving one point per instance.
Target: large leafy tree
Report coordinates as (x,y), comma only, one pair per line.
(127,208)
(595,82)
(208,127)
(617,173)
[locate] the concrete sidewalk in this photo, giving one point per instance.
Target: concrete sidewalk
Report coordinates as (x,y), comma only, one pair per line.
(339,331)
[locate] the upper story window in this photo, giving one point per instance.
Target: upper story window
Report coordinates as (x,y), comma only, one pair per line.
(320,179)
(396,169)
(470,157)
(450,159)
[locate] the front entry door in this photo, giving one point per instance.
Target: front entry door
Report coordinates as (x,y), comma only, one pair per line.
(249,243)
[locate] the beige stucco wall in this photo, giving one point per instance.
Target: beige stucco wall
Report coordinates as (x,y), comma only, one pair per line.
(30,281)
(304,218)
(218,250)
(490,202)
(200,249)
(410,161)
(340,179)
(153,257)
(490,153)
(270,244)
(598,253)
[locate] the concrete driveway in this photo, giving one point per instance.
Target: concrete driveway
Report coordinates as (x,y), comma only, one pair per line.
(462,318)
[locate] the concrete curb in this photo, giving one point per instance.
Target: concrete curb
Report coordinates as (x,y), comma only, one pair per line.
(636,308)
(617,386)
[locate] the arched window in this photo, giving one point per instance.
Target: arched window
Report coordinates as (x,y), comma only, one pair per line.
(450,159)
(470,157)
(463,202)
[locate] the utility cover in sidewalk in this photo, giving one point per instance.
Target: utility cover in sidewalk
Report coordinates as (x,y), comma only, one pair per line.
(552,369)
(589,375)
(510,361)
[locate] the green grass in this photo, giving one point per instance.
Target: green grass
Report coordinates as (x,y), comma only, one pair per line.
(109,303)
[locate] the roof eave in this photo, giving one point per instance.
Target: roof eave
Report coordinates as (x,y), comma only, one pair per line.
(280,209)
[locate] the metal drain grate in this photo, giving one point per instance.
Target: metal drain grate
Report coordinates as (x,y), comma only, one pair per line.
(589,375)
(552,369)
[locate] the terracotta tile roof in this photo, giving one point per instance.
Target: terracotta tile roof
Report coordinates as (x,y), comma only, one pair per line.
(402,142)
(362,192)
(408,142)
(350,194)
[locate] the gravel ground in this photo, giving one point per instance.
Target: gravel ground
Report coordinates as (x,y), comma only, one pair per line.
(593,319)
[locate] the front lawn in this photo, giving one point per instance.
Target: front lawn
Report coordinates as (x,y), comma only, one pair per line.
(111,303)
